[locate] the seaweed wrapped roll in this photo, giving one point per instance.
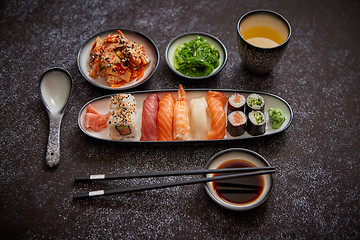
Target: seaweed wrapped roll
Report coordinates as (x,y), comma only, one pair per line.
(256,123)
(236,102)
(255,102)
(236,123)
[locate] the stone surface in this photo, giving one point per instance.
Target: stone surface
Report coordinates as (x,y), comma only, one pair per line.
(317,181)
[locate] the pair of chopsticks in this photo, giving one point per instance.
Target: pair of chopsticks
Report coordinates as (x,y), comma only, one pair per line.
(239,172)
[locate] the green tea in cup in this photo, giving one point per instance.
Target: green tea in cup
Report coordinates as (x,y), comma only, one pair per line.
(263,36)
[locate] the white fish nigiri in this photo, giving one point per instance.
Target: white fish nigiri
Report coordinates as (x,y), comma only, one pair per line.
(199,118)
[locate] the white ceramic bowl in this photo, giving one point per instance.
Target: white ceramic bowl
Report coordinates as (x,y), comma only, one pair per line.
(244,154)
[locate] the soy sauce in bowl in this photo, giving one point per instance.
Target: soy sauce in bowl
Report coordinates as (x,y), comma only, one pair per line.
(244,193)
(239,190)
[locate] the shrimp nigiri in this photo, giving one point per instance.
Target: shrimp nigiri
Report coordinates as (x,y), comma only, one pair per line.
(216,102)
(181,125)
(165,118)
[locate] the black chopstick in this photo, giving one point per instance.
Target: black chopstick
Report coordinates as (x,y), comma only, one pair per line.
(165,185)
(167,173)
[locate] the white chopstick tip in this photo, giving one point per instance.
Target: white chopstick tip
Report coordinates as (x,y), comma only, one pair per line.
(96,193)
(97,176)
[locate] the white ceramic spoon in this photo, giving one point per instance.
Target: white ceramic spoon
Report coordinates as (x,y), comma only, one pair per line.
(55,90)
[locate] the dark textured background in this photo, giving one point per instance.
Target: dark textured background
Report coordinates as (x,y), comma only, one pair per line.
(317,183)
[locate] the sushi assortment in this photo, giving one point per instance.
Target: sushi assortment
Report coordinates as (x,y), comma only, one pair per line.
(170,116)
(246,114)
(177,121)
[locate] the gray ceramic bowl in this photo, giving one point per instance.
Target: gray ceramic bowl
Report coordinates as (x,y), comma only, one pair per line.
(247,155)
(186,37)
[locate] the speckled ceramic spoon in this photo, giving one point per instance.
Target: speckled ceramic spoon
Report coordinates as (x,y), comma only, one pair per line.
(55,91)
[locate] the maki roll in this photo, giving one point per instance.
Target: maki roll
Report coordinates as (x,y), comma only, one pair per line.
(236,102)
(122,117)
(256,123)
(236,123)
(122,124)
(255,102)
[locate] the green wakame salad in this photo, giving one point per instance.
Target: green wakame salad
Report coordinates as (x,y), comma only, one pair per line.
(196,58)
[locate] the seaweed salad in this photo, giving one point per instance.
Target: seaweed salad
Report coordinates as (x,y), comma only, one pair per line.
(196,58)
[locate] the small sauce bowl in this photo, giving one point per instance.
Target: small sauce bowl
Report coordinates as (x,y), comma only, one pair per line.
(242,155)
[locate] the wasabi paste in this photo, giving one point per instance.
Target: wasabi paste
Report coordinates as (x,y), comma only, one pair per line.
(276,117)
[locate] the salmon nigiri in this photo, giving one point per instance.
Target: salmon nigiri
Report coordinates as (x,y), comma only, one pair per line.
(165,118)
(216,102)
(181,125)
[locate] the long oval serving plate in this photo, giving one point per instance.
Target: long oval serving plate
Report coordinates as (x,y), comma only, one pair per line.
(150,49)
(101,104)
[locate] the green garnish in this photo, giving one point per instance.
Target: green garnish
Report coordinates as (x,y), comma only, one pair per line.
(276,117)
(196,58)
(253,101)
(258,117)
